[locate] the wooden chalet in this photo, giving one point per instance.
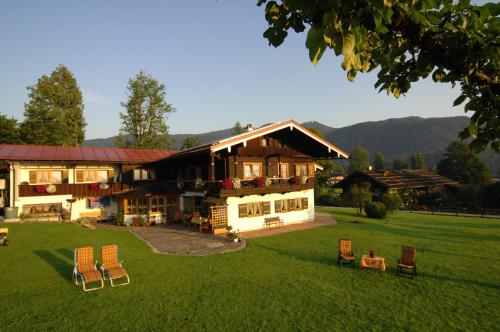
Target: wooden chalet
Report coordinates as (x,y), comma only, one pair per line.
(239,181)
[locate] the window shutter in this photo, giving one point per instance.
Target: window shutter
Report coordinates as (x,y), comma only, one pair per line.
(65,176)
(243,210)
(266,207)
(111,176)
(305,204)
(32,176)
(79,176)
(277,206)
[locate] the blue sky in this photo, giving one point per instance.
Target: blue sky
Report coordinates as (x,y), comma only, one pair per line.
(210,54)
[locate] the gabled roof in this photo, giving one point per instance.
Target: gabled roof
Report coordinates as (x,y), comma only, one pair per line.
(398,179)
(11,152)
(228,143)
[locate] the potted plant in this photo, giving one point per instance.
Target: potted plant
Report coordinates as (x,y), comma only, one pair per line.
(119,220)
(227,184)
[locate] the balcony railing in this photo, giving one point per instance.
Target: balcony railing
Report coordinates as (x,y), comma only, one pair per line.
(249,187)
(75,189)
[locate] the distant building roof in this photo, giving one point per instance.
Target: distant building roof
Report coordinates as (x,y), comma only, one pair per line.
(13,152)
(398,179)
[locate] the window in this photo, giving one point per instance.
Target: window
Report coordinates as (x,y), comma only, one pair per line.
(45,176)
(51,208)
(284,171)
(92,176)
(302,169)
(141,174)
(136,206)
(252,170)
(281,205)
(158,204)
(254,209)
(297,204)
(264,142)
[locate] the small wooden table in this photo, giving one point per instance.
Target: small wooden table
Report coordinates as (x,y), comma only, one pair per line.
(376,263)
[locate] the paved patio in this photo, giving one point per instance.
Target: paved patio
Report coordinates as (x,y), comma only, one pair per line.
(321,219)
(184,241)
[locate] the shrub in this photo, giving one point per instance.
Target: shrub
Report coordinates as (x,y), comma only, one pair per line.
(375,210)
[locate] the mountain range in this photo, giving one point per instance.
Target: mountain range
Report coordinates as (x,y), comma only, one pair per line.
(394,138)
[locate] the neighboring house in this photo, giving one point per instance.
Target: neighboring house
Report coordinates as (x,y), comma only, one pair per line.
(420,181)
(53,180)
(238,181)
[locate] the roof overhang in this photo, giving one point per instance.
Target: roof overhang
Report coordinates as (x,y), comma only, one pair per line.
(228,143)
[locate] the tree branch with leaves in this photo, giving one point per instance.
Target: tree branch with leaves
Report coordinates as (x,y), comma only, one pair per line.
(407,40)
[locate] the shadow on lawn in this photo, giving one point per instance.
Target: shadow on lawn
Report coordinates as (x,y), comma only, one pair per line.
(328,260)
(460,281)
(60,265)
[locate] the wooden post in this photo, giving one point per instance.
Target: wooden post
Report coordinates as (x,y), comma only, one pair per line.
(212,167)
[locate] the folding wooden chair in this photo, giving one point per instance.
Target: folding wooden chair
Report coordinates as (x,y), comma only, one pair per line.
(85,268)
(345,252)
(111,266)
(407,262)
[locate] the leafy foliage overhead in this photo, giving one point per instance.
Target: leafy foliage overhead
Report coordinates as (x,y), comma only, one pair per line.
(407,40)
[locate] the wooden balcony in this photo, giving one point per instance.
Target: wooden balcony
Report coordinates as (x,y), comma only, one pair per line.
(76,189)
(249,188)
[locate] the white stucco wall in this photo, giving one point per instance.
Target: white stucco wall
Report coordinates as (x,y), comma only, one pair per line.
(252,223)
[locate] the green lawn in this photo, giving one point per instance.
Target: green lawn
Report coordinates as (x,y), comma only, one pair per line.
(285,282)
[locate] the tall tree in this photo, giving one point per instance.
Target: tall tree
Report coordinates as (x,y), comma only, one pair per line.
(379,162)
(237,129)
(358,160)
(145,113)
(191,142)
(417,161)
(399,164)
(54,112)
(408,40)
(9,130)
(359,195)
(461,164)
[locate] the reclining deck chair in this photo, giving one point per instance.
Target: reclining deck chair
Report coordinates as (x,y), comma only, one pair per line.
(345,252)
(111,266)
(85,268)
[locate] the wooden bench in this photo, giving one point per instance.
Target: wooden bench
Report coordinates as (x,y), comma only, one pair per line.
(273,222)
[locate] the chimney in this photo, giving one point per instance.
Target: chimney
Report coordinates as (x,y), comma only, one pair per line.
(249,127)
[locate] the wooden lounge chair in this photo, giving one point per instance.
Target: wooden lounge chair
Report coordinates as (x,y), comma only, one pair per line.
(111,266)
(85,268)
(345,252)
(407,262)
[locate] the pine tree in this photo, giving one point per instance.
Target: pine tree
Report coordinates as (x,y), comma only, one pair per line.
(145,113)
(379,162)
(54,112)
(417,161)
(237,129)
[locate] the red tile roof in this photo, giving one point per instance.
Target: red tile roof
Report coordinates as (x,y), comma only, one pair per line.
(83,154)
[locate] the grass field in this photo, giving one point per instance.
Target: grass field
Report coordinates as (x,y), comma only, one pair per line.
(279,283)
